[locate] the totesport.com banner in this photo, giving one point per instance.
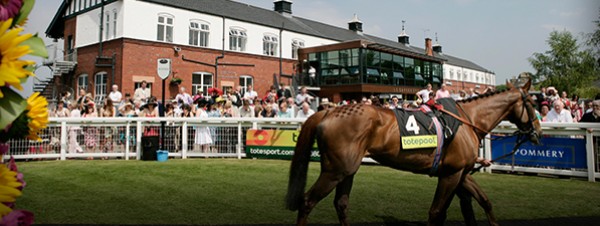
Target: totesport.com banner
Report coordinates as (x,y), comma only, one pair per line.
(274,144)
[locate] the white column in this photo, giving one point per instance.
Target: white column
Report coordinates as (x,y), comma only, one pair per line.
(63,140)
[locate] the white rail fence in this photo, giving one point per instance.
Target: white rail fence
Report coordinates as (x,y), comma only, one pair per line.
(121,138)
(573,131)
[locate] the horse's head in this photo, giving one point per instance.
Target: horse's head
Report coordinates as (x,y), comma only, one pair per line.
(523,114)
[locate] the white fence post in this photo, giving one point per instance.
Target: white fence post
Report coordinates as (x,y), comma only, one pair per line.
(487,151)
(184,137)
(138,140)
(63,140)
(127,139)
(589,148)
(240,141)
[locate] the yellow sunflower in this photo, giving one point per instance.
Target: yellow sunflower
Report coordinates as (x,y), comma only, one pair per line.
(37,112)
(11,68)
(8,189)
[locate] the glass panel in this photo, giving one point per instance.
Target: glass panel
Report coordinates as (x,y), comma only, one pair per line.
(169,20)
(196,78)
(398,74)
(160,33)
(372,72)
(207,79)
(169,34)
(418,77)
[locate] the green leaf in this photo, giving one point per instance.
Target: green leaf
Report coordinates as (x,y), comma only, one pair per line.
(11,106)
(36,44)
(24,13)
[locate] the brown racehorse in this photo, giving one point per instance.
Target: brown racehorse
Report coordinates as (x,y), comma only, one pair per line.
(347,134)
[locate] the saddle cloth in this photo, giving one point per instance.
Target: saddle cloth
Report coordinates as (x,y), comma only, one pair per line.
(417,127)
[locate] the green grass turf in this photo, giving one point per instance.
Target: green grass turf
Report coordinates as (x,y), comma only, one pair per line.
(231,191)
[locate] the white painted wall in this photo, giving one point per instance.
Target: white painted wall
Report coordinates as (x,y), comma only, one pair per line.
(138,20)
(88,27)
(485,78)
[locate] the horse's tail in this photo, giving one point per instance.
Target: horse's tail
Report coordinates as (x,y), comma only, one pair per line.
(299,168)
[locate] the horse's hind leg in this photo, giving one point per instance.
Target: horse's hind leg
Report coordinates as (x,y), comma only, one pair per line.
(443,197)
(473,188)
(342,197)
(324,185)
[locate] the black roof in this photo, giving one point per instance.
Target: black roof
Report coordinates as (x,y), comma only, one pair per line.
(270,18)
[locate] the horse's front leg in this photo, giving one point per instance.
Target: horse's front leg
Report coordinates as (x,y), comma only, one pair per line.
(443,197)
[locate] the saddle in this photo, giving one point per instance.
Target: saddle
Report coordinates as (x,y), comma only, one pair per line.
(420,121)
(428,127)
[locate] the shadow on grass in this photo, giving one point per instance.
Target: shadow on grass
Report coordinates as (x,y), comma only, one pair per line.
(388,220)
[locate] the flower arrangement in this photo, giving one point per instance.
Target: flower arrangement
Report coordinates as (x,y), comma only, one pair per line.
(176,81)
(19,117)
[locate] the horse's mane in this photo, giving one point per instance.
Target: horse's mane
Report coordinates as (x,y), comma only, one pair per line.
(481,96)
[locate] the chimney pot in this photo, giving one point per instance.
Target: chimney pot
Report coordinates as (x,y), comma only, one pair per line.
(283,6)
(428,47)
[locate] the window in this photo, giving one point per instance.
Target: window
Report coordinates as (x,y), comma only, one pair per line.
(100,85)
(139,84)
(199,34)
(164,28)
(296,44)
(270,45)
(82,81)
(245,81)
(107,28)
(114,23)
(237,39)
(201,81)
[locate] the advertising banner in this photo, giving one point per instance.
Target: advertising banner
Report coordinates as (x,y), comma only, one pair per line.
(553,152)
(274,144)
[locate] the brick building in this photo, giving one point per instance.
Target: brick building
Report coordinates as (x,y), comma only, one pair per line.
(223,43)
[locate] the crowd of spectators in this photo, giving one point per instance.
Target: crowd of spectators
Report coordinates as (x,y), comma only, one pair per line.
(278,102)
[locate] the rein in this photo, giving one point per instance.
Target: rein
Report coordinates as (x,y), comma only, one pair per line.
(521,139)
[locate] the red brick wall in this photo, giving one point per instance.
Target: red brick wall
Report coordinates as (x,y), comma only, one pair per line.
(139,58)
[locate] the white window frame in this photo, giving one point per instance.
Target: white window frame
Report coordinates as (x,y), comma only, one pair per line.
(100,83)
(246,78)
(203,84)
(107,28)
(114,23)
(199,33)
(237,39)
(296,45)
(165,21)
(83,81)
(270,44)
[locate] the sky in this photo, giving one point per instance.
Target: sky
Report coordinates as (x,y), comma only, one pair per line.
(498,35)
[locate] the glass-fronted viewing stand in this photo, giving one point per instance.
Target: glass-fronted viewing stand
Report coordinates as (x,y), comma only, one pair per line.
(359,68)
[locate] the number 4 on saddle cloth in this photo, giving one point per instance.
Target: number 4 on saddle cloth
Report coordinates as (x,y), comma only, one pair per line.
(427,126)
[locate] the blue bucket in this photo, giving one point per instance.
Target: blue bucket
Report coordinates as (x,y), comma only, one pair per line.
(162,155)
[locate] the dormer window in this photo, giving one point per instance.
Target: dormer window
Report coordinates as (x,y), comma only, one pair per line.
(165,28)
(270,43)
(237,39)
(199,33)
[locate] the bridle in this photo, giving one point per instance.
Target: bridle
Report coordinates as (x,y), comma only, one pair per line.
(531,115)
(522,135)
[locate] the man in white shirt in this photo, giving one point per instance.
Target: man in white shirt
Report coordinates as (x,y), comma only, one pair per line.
(115,95)
(559,113)
(246,111)
(305,112)
(303,96)
(185,97)
(250,95)
(142,93)
(424,93)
